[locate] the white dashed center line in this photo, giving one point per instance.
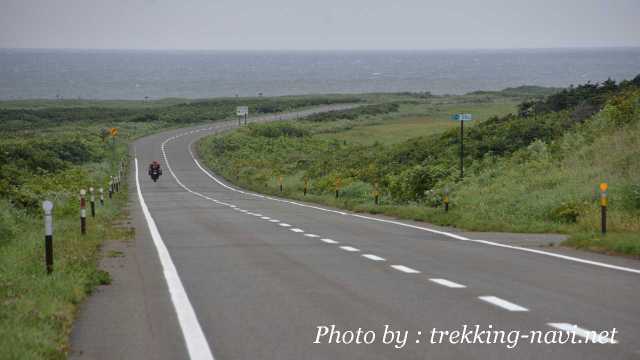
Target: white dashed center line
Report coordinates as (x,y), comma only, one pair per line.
(448,283)
(349,248)
(329,241)
(284,225)
(373,257)
(312,235)
(297,230)
(509,306)
(274,220)
(405,269)
(265,218)
(593,336)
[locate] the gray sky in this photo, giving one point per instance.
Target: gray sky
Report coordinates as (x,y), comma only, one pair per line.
(318,24)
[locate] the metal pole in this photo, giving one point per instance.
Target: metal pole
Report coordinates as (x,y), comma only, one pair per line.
(461,149)
(47,206)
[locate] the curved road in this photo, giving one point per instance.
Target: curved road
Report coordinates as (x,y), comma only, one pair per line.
(235,275)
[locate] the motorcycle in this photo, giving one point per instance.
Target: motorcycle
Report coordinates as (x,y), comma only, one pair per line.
(155,173)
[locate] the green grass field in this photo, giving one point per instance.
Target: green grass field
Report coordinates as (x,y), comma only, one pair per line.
(524,174)
(418,120)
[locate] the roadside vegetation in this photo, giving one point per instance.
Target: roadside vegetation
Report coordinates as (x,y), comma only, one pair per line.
(50,150)
(533,160)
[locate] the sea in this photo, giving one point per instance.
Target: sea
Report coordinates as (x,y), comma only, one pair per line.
(156,74)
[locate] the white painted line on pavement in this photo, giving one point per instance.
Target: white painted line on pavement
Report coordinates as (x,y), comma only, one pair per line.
(593,336)
(297,230)
(258,215)
(494,300)
(448,283)
(284,224)
(196,342)
(349,248)
(405,269)
(444,233)
(265,218)
(274,220)
(311,235)
(373,257)
(329,241)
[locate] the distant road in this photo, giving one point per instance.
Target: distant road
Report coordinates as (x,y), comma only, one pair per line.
(231,274)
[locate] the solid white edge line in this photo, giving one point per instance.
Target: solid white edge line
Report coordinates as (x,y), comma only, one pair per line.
(196,342)
(502,303)
(583,333)
(444,233)
(447,283)
(373,257)
(405,269)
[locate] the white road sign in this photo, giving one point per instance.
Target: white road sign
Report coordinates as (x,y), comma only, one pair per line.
(242,110)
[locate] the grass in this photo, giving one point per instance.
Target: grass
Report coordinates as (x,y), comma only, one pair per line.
(37,310)
(541,187)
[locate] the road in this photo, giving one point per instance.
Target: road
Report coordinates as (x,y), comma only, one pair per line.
(219,272)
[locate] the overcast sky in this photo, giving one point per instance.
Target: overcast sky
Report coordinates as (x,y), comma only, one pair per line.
(318,24)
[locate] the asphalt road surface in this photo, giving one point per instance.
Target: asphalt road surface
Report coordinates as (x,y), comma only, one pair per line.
(219,272)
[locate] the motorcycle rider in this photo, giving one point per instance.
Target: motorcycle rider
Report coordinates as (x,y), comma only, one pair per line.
(154,168)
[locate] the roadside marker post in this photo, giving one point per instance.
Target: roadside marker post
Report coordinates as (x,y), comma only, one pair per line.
(92,202)
(376,193)
(83,212)
(462,118)
(306,185)
(445,199)
(280,182)
(47,206)
(111,187)
(337,187)
(101,190)
(603,207)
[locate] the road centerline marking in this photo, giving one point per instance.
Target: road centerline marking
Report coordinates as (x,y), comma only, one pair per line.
(593,336)
(447,283)
(502,303)
(373,257)
(297,230)
(349,248)
(329,241)
(405,269)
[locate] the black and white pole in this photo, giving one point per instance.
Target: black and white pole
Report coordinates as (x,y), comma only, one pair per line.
(110,187)
(47,206)
(117,183)
(83,212)
(101,190)
(92,202)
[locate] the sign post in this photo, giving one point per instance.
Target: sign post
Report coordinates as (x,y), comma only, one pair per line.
(462,118)
(603,206)
(47,206)
(242,111)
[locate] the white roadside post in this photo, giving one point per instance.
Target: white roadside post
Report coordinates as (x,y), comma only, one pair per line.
(101,190)
(47,206)
(92,200)
(83,212)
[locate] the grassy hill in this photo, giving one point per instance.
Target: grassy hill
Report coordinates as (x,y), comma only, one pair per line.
(533,167)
